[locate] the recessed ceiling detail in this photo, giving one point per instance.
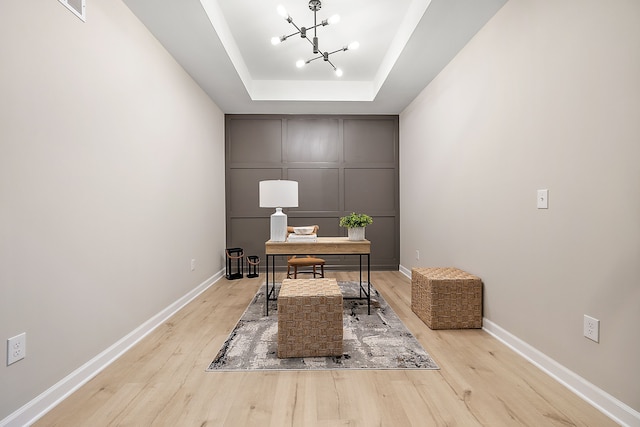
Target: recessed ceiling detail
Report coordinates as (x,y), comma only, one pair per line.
(270,74)
(225,46)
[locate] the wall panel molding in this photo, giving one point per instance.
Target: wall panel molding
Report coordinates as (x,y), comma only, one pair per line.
(342,163)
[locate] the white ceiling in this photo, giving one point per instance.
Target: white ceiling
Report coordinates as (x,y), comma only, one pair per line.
(225,45)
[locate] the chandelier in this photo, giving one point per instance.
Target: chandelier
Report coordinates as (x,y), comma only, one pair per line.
(315,6)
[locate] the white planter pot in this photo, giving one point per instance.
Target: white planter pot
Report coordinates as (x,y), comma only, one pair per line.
(356,233)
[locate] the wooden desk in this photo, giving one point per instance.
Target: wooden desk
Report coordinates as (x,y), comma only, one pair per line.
(324,246)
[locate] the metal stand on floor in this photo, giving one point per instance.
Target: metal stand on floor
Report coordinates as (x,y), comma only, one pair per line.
(252,265)
(236,254)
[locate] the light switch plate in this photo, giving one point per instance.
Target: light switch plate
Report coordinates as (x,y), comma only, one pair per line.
(543,199)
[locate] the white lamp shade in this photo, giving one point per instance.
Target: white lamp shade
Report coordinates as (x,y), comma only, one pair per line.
(278,194)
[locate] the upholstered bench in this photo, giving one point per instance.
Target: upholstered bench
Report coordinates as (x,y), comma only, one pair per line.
(309,318)
(446,298)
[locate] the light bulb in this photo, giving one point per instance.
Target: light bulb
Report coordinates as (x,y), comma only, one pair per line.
(334,19)
(338,72)
(353,45)
(275,40)
(282,11)
(300,63)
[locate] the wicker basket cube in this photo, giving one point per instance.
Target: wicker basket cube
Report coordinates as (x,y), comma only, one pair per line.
(309,318)
(446,298)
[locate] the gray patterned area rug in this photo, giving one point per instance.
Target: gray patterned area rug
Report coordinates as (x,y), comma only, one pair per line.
(376,341)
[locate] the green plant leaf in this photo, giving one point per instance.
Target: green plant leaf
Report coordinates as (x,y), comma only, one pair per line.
(355,220)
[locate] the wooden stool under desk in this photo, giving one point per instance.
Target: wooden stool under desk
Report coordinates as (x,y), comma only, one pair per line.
(305,261)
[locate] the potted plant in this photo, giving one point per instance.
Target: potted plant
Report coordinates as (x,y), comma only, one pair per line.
(355,224)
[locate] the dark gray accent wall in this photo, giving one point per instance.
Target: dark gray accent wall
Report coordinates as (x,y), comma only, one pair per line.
(342,164)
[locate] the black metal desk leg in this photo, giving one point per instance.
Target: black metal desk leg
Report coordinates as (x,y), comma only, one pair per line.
(266,286)
(368,283)
(360,270)
(273,276)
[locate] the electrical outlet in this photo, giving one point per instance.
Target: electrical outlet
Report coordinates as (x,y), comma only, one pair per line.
(417,254)
(193,264)
(592,328)
(16,348)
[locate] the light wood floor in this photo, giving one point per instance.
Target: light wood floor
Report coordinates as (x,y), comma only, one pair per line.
(162,380)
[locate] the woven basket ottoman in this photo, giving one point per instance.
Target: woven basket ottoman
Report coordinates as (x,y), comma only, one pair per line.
(446,298)
(309,318)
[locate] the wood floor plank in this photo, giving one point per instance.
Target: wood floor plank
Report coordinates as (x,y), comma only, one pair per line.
(162,380)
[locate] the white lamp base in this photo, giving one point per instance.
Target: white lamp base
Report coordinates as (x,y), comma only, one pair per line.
(278,226)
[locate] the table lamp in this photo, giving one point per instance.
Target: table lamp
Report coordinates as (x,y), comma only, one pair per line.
(278,194)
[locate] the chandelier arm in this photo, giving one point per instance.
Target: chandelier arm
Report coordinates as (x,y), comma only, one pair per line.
(297,28)
(337,50)
(331,63)
(314,27)
(313,59)
(290,35)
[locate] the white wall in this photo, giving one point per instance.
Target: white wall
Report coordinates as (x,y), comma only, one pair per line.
(111,181)
(547,95)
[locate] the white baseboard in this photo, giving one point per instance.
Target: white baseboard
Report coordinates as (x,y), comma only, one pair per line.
(603,401)
(406,271)
(598,398)
(38,407)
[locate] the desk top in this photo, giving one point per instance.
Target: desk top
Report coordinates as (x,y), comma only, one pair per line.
(324,246)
